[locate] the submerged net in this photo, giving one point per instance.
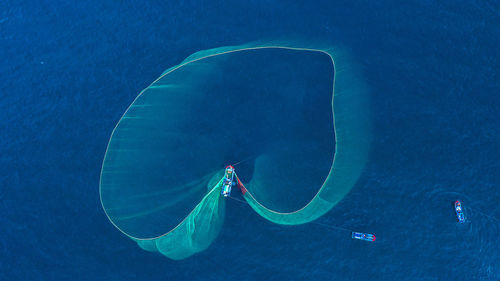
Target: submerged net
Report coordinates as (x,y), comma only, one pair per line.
(269,103)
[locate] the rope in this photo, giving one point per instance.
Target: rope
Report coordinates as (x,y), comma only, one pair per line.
(332,227)
(244,160)
(239,200)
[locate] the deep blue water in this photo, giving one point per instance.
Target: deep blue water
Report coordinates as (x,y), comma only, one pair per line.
(70,69)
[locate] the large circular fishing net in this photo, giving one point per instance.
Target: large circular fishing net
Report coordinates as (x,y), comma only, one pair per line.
(296,116)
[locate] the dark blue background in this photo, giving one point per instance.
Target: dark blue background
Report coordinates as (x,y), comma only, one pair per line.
(69,69)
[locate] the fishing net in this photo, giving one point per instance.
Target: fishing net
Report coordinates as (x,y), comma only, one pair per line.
(298,116)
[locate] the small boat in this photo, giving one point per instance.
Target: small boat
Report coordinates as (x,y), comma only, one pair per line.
(459,211)
(364,236)
(228,181)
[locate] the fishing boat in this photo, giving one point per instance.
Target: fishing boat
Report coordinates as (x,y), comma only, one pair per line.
(459,211)
(228,181)
(364,236)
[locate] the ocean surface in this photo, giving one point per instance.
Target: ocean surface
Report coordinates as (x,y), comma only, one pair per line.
(69,69)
